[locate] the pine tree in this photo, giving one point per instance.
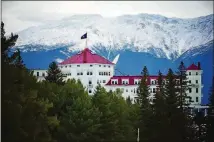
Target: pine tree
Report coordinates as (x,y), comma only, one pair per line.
(6,44)
(210,117)
(54,74)
(160,116)
(20,100)
(146,112)
(182,86)
(78,118)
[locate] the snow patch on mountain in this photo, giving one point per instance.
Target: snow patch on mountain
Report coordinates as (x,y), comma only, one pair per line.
(164,37)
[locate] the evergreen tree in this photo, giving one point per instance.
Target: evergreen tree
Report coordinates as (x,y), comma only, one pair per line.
(160,116)
(54,74)
(20,100)
(6,44)
(78,118)
(210,117)
(146,112)
(182,86)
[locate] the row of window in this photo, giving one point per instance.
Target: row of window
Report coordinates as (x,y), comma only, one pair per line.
(101,81)
(191,73)
(196,81)
(37,74)
(190,90)
(190,99)
(67,74)
(105,73)
(79,66)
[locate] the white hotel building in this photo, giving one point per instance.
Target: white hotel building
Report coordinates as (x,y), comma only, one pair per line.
(92,69)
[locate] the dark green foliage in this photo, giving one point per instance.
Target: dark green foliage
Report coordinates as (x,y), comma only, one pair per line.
(54,74)
(210,117)
(24,113)
(146,124)
(182,86)
(6,44)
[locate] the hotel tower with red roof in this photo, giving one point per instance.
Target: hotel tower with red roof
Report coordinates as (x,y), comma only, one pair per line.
(92,69)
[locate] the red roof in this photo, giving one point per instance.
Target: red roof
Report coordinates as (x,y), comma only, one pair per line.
(130,79)
(193,67)
(86,56)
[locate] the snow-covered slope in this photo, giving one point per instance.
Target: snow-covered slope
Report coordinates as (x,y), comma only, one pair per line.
(161,36)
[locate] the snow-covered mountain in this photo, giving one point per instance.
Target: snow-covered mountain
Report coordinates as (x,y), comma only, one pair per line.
(161,36)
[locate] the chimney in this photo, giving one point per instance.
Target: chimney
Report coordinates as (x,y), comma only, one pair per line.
(199,65)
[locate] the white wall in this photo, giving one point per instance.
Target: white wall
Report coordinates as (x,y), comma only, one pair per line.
(95,68)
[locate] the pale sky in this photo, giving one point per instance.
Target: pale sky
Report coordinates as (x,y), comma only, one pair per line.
(19,15)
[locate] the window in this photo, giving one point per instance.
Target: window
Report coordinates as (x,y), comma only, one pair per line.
(196,90)
(70,66)
(131,90)
(104,81)
(104,73)
(135,82)
(81,73)
(104,65)
(123,82)
(190,99)
(109,66)
(97,81)
(189,81)
(196,81)
(189,73)
(37,73)
(65,66)
(153,90)
(78,73)
(101,73)
(126,82)
(61,66)
(90,73)
(43,74)
(99,65)
(196,73)
(91,65)
(196,99)
(109,73)
(156,82)
(87,73)
(78,65)
(152,82)
(134,90)
(89,91)
(89,82)
(126,90)
(190,90)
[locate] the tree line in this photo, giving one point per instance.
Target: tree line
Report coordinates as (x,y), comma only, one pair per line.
(55,110)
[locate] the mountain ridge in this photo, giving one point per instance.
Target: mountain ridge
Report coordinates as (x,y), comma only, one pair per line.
(161,36)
